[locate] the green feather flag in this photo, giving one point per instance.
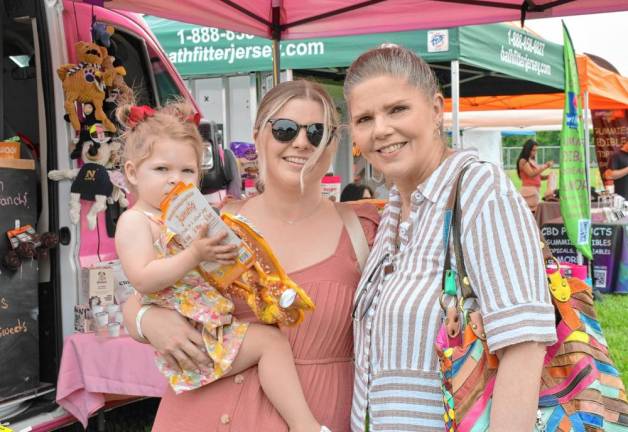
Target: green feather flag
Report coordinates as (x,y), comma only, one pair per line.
(575,207)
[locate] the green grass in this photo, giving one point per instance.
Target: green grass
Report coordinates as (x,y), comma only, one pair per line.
(611,312)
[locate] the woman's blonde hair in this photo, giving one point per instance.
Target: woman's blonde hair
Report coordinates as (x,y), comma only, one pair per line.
(174,121)
(277,98)
(392,60)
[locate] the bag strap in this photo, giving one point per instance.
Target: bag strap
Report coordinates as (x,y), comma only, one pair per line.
(453,224)
(463,278)
(356,232)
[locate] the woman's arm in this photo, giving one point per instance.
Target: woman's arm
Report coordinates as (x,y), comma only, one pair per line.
(169,333)
(507,272)
(516,393)
(531,171)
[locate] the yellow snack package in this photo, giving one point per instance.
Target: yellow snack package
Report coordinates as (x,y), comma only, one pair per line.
(256,276)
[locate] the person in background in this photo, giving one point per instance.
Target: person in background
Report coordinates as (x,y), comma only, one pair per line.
(356,192)
(531,173)
(618,170)
(396,117)
(382,191)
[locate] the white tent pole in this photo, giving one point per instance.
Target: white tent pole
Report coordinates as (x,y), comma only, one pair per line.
(587,171)
(455,103)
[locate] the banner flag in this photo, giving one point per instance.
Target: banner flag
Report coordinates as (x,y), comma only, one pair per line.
(575,207)
(610,130)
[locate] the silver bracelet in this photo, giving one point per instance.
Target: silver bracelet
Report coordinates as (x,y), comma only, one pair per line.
(138,320)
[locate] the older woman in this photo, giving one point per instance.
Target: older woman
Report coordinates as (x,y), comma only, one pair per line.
(294,134)
(396,116)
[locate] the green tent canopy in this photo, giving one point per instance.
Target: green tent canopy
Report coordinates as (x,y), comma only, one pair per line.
(494,59)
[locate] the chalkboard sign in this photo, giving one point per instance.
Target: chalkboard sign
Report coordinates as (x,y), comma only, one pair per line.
(606,240)
(19,334)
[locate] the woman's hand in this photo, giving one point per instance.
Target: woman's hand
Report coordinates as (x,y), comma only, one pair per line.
(174,337)
(170,334)
(549,164)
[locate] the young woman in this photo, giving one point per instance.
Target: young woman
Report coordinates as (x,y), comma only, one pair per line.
(294,135)
(161,149)
(396,114)
(531,173)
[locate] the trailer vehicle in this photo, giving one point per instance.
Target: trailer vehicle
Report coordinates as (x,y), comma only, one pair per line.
(37,300)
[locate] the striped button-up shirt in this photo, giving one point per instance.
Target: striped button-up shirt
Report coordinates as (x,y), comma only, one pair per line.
(397,313)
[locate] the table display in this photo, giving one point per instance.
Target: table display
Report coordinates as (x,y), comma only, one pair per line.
(94,366)
(607,245)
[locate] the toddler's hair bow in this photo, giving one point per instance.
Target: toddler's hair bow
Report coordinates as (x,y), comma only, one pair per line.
(195,118)
(138,114)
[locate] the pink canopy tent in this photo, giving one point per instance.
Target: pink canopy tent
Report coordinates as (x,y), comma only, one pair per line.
(300,19)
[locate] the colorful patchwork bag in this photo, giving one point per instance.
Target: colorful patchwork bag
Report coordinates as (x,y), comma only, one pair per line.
(581,390)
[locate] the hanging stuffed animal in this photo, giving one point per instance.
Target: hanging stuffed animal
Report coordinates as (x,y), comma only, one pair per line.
(115,88)
(85,82)
(93,181)
(87,119)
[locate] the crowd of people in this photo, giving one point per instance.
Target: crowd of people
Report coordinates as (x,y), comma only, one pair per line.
(364,359)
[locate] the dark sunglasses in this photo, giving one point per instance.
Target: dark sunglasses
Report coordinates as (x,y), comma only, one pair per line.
(286,130)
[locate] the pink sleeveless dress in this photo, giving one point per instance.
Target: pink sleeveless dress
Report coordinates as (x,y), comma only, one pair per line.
(323,350)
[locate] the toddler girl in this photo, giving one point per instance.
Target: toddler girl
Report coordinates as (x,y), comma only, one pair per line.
(161,149)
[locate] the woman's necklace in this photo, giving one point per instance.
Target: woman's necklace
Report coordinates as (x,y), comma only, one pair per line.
(298,220)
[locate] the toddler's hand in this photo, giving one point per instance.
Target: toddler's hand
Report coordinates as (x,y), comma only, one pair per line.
(212,249)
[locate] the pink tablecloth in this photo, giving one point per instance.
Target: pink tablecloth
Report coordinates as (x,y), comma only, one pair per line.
(92,366)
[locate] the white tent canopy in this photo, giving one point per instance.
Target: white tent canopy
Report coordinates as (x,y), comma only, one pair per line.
(550,119)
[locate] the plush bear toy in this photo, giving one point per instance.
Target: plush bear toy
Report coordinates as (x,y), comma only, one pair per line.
(93,181)
(117,91)
(85,82)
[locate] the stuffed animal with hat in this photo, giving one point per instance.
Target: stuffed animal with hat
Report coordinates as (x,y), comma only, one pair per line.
(93,180)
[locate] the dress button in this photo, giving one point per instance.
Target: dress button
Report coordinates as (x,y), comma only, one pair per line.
(238,379)
(225,419)
(417,197)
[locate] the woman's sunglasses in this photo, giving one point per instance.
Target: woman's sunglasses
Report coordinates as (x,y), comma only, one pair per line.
(286,130)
